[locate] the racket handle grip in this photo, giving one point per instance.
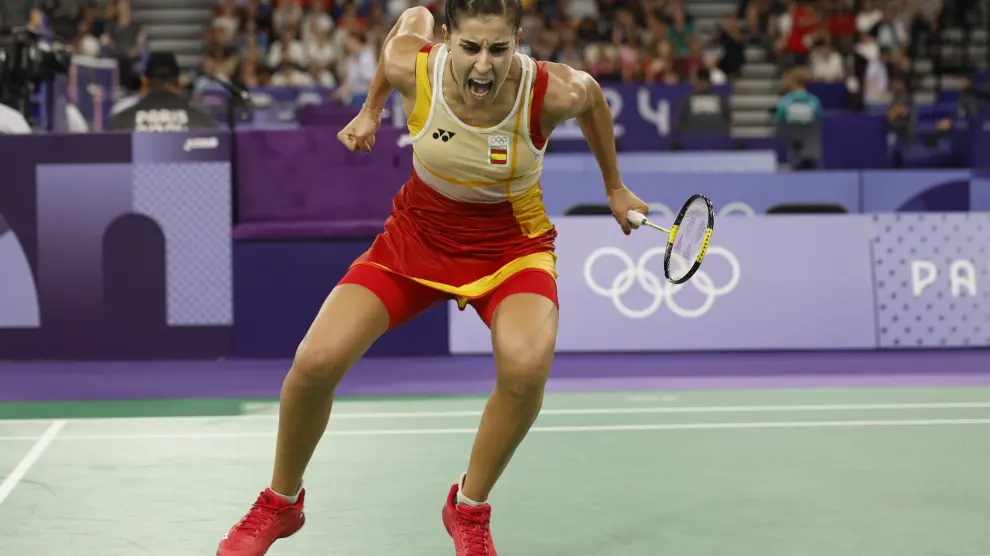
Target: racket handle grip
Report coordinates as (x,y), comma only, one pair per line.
(635,218)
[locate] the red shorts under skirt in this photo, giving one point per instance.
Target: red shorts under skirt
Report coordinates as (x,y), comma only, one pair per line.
(405,298)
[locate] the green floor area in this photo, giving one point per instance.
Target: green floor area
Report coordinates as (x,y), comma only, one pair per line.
(880,472)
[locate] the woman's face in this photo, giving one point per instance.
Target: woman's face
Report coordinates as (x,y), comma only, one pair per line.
(481,52)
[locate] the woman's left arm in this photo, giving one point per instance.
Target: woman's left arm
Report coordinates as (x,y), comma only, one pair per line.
(576,94)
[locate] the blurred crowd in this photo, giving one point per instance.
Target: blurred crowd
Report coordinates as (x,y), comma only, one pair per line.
(307,42)
(336,42)
(91,28)
(870,44)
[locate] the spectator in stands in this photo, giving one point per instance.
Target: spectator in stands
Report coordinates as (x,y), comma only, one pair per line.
(870,14)
(540,40)
(798,105)
(85,44)
(377,21)
(251,37)
(681,34)
(582,10)
(394,8)
(127,38)
(798,27)
(876,83)
(841,26)
(890,32)
(867,47)
(603,62)
(797,119)
(733,47)
(899,115)
(924,17)
(95,18)
(825,62)
(261,14)
(627,40)
(972,102)
(350,23)
(322,56)
(287,49)
(761,19)
(709,62)
(316,21)
(162,108)
(703,112)
(250,72)
(567,51)
(288,15)
(359,69)
(228,20)
(290,72)
(689,65)
(219,58)
(63,16)
(19,13)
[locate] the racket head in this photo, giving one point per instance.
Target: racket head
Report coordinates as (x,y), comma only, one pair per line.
(688,240)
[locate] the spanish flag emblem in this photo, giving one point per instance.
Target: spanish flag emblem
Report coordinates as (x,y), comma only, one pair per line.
(498,150)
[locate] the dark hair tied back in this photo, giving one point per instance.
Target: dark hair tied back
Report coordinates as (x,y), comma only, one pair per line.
(510,9)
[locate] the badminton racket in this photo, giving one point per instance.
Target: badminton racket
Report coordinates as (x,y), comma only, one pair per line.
(687,239)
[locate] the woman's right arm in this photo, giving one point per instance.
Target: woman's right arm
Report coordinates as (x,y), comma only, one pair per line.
(397,63)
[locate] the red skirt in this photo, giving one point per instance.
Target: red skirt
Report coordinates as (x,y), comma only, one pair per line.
(464,249)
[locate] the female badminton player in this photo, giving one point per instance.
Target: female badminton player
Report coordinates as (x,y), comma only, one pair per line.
(468,225)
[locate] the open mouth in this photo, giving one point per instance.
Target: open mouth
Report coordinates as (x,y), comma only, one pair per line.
(479,87)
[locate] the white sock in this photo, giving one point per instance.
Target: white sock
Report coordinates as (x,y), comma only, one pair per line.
(461,499)
(290,499)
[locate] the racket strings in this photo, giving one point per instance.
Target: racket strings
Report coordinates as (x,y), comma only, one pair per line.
(689,240)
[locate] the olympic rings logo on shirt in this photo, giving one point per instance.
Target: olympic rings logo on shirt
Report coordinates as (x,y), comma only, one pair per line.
(637,273)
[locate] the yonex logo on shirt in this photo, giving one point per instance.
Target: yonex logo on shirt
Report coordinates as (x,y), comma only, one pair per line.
(443,135)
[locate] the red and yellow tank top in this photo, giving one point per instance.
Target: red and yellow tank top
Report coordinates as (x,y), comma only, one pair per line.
(472,213)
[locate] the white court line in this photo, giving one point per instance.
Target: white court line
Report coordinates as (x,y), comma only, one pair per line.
(29,459)
(578,428)
(343,415)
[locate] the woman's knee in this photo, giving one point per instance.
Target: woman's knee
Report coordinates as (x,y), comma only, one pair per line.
(524,334)
(350,321)
(320,363)
(523,367)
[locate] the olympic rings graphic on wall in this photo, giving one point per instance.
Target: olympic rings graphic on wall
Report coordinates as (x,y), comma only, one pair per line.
(661,290)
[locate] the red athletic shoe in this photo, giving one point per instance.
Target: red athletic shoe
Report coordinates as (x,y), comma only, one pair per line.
(270,518)
(469,526)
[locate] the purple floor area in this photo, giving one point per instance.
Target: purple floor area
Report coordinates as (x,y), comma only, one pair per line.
(38,381)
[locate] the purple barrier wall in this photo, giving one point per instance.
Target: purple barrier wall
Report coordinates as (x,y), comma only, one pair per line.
(120,242)
(308,208)
(917,191)
(281,285)
(979,153)
(305,183)
(832,95)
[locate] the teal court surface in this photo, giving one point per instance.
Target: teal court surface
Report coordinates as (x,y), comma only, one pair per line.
(809,472)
